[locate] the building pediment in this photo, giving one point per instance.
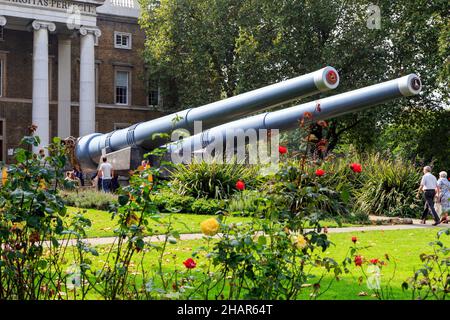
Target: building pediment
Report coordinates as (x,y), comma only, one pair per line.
(71,12)
(86,6)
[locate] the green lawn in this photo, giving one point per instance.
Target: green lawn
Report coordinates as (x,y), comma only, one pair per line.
(404,246)
(103,225)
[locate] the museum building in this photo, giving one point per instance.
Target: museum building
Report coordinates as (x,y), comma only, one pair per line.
(71,68)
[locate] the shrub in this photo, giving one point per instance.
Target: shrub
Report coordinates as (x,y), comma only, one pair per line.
(358,217)
(212,180)
(298,191)
(31,222)
(89,199)
(167,200)
(385,186)
(432,279)
(207,206)
(275,264)
(246,203)
(389,188)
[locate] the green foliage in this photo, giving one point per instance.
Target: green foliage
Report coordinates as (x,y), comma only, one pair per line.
(32,214)
(389,188)
(373,274)
(212,180)
(246,203)
(422,138)
(299,190)
(275,264)
(433,278)
(167,200)
(203,51)
(386,186)
(207,206)
(89,199)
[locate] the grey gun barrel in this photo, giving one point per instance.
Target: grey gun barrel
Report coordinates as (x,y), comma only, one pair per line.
(89,148)
(288,118)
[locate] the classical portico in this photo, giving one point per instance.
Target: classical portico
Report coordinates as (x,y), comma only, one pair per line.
(67,19)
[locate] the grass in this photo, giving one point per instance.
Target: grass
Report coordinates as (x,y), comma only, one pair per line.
(103,225)
(403,247)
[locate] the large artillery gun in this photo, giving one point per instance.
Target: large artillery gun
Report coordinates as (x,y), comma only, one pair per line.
(125,148)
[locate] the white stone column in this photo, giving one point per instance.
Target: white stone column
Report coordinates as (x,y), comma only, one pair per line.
(2,21)
(40,111)
(64,82)
(87,80)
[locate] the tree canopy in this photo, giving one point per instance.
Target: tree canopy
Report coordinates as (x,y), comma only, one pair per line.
(203,51)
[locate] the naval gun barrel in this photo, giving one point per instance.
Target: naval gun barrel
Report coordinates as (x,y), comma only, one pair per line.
(289,118)
(89,148)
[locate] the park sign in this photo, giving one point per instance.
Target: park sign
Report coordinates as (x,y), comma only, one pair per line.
(85,7)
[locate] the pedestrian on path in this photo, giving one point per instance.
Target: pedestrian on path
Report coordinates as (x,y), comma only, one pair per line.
(106,172)
(443,195)
(429,187)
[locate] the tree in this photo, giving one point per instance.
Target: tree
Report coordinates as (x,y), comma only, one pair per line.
(202,51)
(423,138)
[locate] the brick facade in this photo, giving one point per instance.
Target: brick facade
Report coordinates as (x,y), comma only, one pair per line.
(15,105)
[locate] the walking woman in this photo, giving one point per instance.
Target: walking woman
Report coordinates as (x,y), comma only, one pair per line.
(443,195)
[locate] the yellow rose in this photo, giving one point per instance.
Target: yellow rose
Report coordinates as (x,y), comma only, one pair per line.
(42,184)
(210,226)
(298,240)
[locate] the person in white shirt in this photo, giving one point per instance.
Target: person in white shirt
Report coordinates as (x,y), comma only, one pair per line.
(106,172)
(429,187)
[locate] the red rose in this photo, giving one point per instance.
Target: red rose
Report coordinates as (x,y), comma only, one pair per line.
(190,263)
(374,261)
(356,167)
(240,185)
(354,239)
(282,150)
(320,172)
(358,261)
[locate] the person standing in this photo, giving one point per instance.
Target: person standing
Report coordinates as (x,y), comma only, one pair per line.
(106,172)
(115,183)
(96,181)
(429,186)
(79,175)
(443,195)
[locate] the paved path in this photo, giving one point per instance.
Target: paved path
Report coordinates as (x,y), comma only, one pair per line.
(194,236)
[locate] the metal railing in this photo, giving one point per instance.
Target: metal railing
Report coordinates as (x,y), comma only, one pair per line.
(123,3)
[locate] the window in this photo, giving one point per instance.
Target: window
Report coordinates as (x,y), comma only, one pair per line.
(153,93)
(2,140)
(2,76)
(122,87)
(96,83)
(122,40)
(3,73)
